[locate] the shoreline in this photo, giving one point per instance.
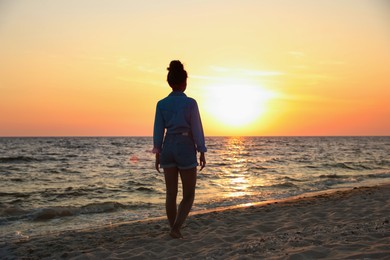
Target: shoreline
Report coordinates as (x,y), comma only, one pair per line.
(341,223)
(22,234)
(194,213)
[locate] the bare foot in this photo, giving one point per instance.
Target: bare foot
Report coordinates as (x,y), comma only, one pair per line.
(176,234)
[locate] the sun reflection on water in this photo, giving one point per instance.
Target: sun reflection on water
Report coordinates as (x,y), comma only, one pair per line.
(236,180)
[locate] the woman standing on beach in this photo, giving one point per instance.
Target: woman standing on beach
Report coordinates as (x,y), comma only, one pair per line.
(179,115)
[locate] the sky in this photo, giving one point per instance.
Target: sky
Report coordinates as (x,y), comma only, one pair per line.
(256,68)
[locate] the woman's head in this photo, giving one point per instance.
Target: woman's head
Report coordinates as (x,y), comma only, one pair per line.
(177,76)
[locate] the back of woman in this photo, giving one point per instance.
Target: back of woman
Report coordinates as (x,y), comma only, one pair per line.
(177,137)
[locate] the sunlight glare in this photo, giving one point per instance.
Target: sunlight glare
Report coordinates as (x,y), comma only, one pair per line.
(237,104)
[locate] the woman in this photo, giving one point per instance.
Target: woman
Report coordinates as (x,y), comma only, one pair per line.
(179,115)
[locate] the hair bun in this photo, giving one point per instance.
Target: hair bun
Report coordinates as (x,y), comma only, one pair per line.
(175,65)
(176,75)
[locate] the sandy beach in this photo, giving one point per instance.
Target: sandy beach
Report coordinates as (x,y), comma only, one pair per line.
(343,224)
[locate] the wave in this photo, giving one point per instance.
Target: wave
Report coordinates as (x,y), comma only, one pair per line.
(28,159)
(145,189)
(219,164)
(287,178)
(275,160)
(57,212)
(312,166)
(18,159)
(382,175)
(384,163)
(284,185)
(328,180)
(13,213)
(15,194)
(257,167)
(350,166)
(379,175)
(69,193)
(331,176)
(338,165)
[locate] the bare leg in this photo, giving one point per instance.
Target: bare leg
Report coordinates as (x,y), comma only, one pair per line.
(171,182)
(188,179)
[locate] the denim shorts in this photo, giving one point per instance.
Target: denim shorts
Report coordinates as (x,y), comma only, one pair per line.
(178,151)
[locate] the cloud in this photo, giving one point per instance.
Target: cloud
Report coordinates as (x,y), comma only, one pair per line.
(332,62)
(139,81)
(247,72)
(297,54)
(205,77)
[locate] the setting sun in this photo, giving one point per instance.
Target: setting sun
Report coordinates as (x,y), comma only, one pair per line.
(98,68)
(237,104)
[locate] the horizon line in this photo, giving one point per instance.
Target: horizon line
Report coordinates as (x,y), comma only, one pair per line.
(121,136)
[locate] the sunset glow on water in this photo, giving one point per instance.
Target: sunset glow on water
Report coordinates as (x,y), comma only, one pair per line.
(52,184)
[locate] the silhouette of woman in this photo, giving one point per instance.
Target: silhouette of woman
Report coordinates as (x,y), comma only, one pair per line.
(176,153)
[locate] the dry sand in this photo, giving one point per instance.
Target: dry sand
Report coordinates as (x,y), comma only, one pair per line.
(348,224)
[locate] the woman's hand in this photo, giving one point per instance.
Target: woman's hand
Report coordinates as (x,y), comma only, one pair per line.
(202,160)
(157,163)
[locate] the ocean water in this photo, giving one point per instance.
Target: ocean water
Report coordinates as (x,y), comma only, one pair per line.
(62,183)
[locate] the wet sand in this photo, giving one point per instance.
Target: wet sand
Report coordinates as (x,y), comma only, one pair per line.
(343,224)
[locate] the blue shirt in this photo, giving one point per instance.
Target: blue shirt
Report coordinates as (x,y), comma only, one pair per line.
(178,114)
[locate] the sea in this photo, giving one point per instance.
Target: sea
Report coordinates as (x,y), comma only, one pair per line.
(53,184)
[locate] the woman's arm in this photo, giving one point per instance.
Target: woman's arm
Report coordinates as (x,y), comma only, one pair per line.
(158,131)
(158,135)
(197,129)
(157,162)
(202,160)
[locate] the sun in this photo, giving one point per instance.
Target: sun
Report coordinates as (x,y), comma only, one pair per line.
(237,104)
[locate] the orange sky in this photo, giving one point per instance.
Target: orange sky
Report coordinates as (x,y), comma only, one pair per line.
(98,67)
